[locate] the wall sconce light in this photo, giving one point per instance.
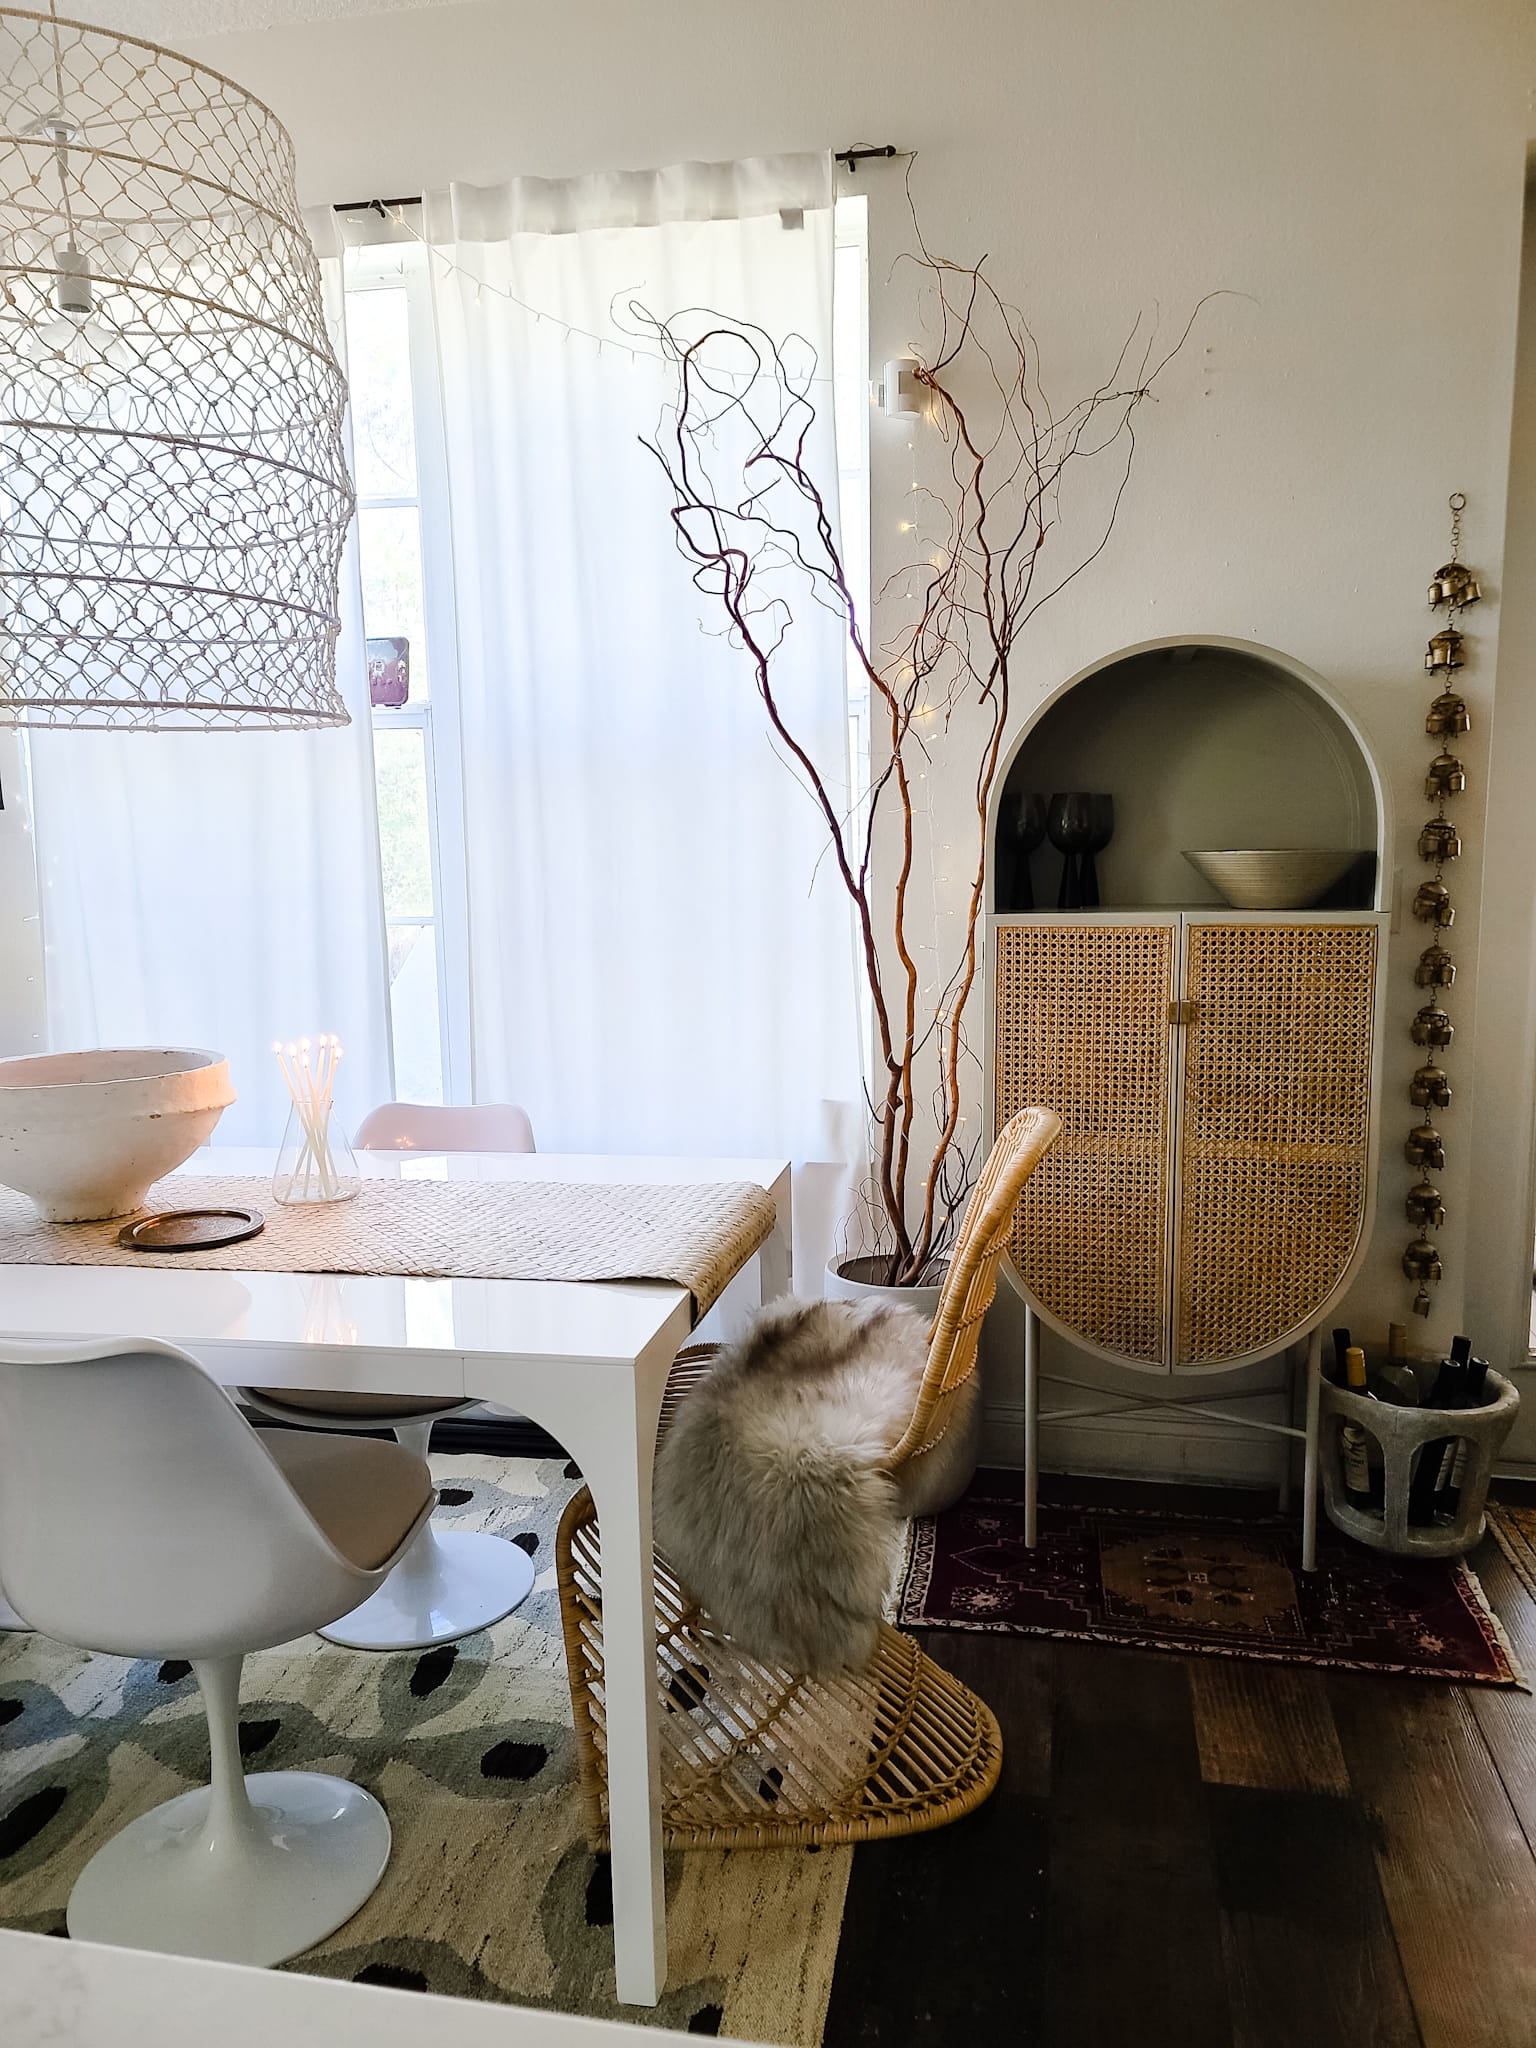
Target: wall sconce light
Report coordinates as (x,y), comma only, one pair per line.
(901,396)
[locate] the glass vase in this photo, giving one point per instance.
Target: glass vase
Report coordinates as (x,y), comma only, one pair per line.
(314,1162)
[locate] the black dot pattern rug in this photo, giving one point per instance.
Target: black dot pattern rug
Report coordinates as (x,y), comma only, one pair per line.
(491,1892)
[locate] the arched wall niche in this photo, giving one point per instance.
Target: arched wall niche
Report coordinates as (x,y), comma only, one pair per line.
(1202,743)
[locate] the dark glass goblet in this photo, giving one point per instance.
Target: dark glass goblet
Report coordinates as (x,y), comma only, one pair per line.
(1020,829)
(1101,818)
(1069,821)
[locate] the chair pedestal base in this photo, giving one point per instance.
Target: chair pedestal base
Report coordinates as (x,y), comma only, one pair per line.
(313,1850)
(9,1618)
(445,1586)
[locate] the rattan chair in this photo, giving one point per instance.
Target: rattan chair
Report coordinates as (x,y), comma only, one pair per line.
(757,1757)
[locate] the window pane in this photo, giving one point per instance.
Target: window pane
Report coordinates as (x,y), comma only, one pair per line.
(413,1013)
(400,772)
(850,386)
(379,373)
(389,547)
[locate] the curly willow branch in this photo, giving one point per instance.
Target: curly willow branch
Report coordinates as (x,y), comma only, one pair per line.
(747,511)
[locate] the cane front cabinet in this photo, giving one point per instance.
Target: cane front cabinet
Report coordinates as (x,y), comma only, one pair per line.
(1216,1075)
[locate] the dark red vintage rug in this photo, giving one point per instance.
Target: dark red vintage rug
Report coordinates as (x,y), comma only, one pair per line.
(1223,1585)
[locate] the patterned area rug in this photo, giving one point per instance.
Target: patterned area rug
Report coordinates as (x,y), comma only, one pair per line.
(491,1892)
(1204,1583)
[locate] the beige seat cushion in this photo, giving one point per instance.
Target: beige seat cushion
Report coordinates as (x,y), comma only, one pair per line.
(383,1408)
(364,1495)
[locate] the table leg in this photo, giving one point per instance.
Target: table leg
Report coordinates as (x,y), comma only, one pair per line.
(773,1262)
(615,1453)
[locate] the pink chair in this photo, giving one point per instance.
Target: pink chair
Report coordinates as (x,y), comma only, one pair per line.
(451,1584)
(422,1127)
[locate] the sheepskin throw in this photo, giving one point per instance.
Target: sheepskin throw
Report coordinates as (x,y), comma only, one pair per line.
(773,1501)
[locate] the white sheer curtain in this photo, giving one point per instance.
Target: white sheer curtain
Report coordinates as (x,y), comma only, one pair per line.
(661,952)
(220,890)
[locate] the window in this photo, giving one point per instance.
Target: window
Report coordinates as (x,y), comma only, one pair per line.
(850,397)
(403,542)
(405,553)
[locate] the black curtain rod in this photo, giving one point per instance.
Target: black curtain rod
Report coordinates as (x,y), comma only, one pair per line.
(851,157)
(854,157)
(378,206)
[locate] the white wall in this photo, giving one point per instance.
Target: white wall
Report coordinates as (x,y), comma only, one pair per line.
(1352,168)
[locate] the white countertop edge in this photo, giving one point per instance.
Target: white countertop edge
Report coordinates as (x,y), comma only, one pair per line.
(79,1994)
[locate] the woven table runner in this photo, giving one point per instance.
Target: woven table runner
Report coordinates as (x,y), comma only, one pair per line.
(695,1236)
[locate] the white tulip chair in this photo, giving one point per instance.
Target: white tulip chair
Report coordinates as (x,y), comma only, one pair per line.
(141,1515)
(464,1579)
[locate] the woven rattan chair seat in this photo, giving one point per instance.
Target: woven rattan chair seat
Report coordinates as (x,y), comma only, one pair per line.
(757,1757)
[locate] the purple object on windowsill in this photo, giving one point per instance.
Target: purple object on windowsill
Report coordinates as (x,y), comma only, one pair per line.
(389,673)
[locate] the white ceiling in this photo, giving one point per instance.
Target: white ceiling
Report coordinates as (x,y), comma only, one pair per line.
(170,21)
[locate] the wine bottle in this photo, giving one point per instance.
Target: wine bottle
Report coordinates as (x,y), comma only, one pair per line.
(1354,1445)
(1397,1380)
(1431,1467)
(1340,1373)
(1453,1465)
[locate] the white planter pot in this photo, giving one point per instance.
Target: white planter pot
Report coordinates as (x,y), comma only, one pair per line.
(959,1460)
(85,1134)
(846,1282)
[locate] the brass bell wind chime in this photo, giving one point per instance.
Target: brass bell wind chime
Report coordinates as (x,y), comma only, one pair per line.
(1454,587)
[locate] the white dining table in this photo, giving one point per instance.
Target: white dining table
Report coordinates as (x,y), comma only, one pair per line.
(587,1360)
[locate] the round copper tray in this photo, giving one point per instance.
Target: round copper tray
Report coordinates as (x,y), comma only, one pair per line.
(190,1230)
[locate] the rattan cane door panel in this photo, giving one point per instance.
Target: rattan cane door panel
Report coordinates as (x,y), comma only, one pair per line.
(1274,1144)
(1080,1024)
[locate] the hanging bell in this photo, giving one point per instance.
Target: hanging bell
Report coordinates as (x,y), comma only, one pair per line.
(1436,968)
(1448,717)
(1444,651)
(1425,1210)
(1421,1262)
(1439,841)
(1429,1087)
(1454,585)
(1431,1026)
(1425,1149)
(1432,904)
(1446,777)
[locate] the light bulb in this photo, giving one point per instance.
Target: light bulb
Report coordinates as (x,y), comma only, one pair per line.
(70,364)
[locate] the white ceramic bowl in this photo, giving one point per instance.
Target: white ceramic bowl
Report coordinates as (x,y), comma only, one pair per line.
(86,1133)
(1272,878)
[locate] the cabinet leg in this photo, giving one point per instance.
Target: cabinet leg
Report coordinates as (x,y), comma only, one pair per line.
(1283,1485)
(1309,1464)
(1031,1429)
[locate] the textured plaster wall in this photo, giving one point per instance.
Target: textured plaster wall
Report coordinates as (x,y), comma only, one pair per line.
(1350,171)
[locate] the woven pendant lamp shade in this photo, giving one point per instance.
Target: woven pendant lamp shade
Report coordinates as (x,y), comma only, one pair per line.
(174,493)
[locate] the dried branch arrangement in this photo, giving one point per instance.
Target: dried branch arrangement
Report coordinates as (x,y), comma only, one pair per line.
(760,531)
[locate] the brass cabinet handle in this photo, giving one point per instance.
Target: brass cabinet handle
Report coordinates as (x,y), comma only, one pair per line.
(1182,1013)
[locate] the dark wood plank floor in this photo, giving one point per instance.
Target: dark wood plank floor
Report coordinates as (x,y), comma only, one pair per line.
(1190,1852)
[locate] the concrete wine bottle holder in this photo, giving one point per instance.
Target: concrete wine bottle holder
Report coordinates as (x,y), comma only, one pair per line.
(1400,1432)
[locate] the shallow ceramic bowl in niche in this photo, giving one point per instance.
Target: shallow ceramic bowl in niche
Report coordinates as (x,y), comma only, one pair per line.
(86,1134)
(1274,877)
